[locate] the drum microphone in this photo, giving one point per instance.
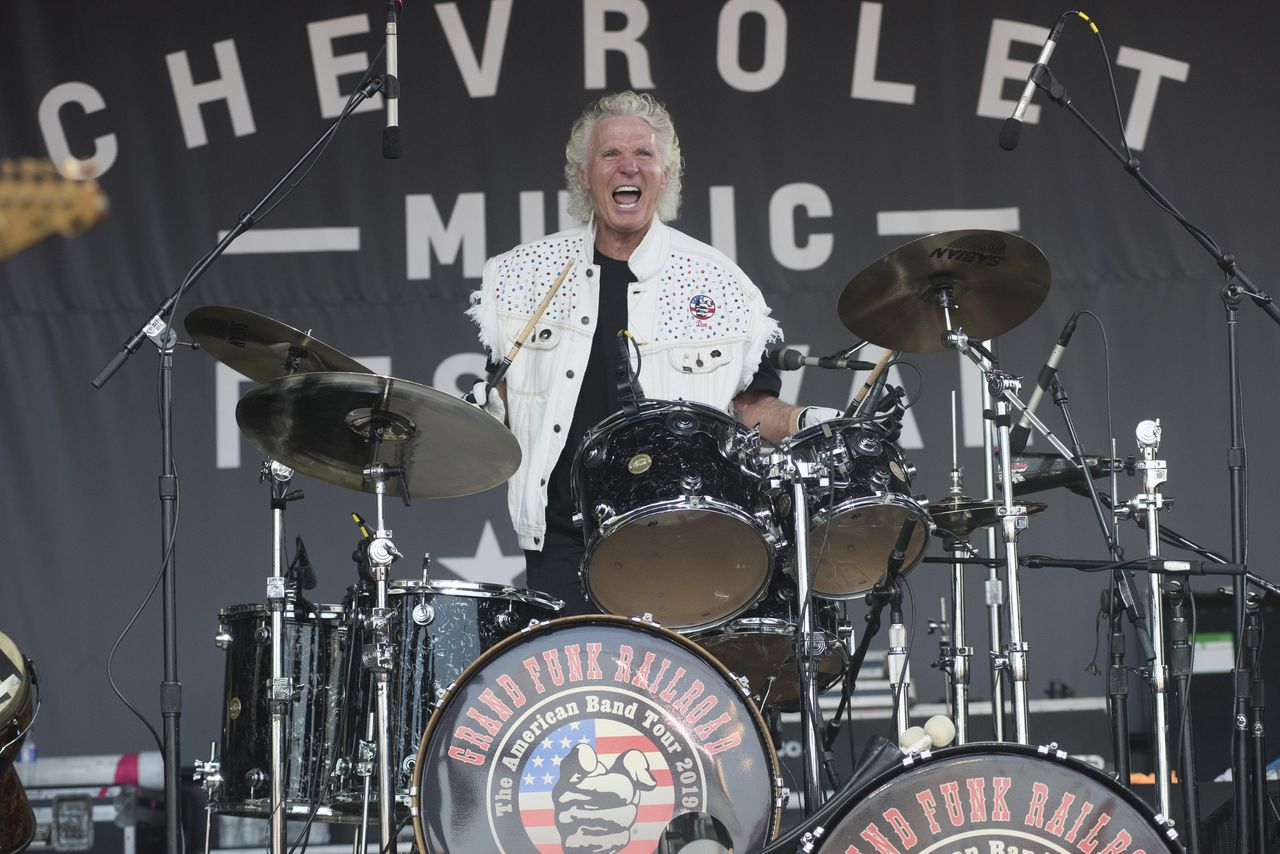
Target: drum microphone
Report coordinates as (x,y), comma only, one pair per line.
(1013,125)
(1021,433)
(787,359)
(938,731)
(391,87)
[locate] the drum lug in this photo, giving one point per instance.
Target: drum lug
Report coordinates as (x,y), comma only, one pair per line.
(507,620)
(254,778)
(222,640)
(691,481)
(602,512)
(423,613)
(744,685)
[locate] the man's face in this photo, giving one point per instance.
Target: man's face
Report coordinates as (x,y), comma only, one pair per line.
(625,175)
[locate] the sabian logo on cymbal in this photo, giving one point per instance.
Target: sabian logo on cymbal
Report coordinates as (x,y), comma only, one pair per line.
(984,251)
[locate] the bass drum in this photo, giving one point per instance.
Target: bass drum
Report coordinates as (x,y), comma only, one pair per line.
(997,797)
(593,733)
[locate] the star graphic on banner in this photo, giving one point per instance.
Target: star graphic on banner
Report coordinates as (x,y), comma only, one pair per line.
(537,760)
(488,564)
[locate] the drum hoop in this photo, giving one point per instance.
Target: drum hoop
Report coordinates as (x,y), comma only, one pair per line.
(878,498)
(1049,752)
(16,716)
(415,782)
(474,590)
(291,611)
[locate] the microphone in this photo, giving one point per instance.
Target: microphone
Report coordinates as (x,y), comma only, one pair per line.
(1013,125)
(1021,433)
(938,731)
(788,359)
(391,88)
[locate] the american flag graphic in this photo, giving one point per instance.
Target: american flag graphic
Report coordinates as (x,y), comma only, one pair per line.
(609,738)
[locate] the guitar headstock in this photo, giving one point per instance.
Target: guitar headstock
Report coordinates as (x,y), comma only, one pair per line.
(38,200)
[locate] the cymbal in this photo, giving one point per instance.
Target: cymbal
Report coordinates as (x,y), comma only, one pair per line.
(958,516)
(261,348)
(326,425)
(998,281)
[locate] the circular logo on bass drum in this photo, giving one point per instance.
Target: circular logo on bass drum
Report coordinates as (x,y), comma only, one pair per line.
(591,734)
(607,777)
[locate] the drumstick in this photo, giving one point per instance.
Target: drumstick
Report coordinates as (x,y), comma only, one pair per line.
(874,375)
(528,328)
(856,406)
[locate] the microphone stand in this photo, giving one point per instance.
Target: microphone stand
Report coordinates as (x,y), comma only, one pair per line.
(159,329)
(1248,774)
(1121,592)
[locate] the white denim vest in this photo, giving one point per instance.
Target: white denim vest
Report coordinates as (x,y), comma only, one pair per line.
(699,322)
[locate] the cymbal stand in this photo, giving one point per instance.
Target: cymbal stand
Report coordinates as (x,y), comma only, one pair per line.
(379,657)
(955,656)
(281,694)
(1155,473)
(1004,390)
(993,589)
(786,469)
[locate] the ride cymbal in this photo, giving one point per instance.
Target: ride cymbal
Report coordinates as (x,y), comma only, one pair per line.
(261,348)
(332,425)
(997,280)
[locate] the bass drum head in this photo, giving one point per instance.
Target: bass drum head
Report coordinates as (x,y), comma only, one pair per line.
(592,733)
(998,797)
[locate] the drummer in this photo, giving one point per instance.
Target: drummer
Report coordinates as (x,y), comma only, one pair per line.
(699,324)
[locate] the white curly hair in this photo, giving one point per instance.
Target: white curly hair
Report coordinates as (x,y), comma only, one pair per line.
(578,149)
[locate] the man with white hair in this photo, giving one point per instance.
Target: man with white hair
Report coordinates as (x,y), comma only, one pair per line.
(700,325)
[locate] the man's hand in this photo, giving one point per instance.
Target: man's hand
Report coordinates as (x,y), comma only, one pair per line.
(595,806)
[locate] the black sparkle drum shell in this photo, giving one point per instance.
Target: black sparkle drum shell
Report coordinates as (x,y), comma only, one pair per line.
(997,797)
(675,521)
(855,527)
(592,733)
(315,657)
(439,628)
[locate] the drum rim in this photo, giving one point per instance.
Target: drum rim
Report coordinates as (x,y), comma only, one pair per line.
(1050,752)
(714,505)
(771,753)
(474,590)
(291,609)
(907,503)
(19,712)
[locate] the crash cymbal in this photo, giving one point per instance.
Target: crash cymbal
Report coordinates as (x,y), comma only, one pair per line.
(958,516)
(998,280)
(326,424)
(261,348)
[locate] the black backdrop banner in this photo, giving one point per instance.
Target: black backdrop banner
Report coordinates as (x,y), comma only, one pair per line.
(818,137)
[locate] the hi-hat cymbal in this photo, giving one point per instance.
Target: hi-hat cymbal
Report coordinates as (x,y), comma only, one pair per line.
(327,425)
(998,280)
(958,516)
(261,348)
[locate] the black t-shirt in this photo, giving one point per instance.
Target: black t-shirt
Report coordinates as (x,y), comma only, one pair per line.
(598,397)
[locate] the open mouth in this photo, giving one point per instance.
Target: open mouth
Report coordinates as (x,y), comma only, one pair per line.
(626,197)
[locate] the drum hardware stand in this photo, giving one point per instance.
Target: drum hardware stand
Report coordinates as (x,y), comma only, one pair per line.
(993,588)
(1004,388)
(379,657)
(209,776)
(1176,591)
(282,687)
(1149,503)
(955,655)
(786,469)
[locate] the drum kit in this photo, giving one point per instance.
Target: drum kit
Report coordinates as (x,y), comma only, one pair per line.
(723,568)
